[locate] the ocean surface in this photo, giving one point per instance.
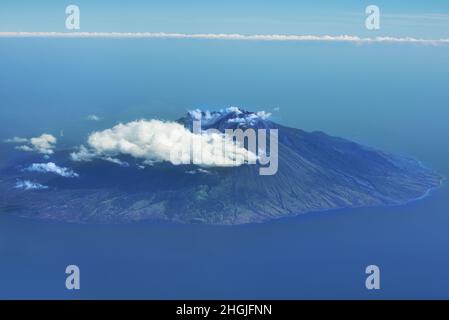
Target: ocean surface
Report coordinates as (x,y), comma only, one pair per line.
(391,96)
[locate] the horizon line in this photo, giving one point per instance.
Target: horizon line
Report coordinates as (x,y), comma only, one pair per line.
(224,36)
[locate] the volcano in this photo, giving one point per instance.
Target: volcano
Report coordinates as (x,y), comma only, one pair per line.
(316,172)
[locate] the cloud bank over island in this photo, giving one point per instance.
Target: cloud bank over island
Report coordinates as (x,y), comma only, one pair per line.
(154,141)
(228,36)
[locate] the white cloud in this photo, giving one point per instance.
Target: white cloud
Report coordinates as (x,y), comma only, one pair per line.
(263,115)
(16,140)
(25,148)
(248,118)
(199,170)
(43,144)
(51,167)
(116,161)
(83,154)
(227,36)
(28,185)
(239,116)
(93,117)
(155,141)
(235,110)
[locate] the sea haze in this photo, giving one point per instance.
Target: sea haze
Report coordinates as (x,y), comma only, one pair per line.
(392,97)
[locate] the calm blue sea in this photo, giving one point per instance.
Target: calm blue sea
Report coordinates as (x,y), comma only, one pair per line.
(391,96)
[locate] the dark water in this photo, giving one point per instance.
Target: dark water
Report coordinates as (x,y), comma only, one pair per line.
(312,256)
(391,97)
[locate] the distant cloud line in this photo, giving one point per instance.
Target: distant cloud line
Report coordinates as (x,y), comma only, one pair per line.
(224,36)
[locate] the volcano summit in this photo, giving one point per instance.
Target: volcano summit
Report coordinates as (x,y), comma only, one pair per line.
(124,175)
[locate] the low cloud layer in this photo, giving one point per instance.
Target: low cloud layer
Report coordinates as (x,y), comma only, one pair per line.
(156,141)
(29,185)
(51,167)
(43,144)
(228,36)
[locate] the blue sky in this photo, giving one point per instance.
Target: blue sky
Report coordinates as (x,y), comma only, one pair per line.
(428,19)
